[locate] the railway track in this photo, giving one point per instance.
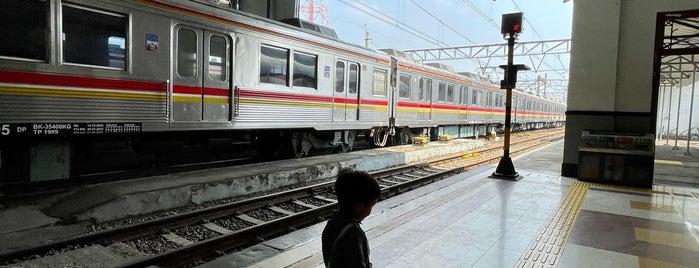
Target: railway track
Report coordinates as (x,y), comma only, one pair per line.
(191,238)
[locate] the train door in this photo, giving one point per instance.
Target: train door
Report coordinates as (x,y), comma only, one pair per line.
(424,96)
(489,106)
(463,103)
(201,76)
(346,93)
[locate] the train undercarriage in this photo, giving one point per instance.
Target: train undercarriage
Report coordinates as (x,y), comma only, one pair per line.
(34,160)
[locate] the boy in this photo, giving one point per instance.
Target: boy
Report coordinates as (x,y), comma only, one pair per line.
(344,242)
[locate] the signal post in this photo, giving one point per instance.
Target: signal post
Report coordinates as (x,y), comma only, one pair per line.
(510,29)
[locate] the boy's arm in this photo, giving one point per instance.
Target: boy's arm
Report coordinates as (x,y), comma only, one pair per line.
(350,251)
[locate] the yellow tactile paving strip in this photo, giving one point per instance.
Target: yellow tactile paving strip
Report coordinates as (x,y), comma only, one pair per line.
(546,248)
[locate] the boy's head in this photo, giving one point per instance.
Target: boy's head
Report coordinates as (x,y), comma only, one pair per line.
(357,192)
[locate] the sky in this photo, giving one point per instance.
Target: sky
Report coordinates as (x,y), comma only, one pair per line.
(420,24)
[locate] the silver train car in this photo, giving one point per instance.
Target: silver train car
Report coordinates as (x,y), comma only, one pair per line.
(89,85)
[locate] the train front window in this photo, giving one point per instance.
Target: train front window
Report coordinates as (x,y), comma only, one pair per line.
(274,63)
(24,29)
(93,37)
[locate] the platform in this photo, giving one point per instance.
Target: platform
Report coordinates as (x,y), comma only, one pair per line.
(469,220)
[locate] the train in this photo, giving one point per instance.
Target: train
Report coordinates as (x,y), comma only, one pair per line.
(96,85)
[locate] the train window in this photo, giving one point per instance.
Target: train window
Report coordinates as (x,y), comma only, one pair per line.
(450,93)
(404,88)
(421,90)
(424,92)
(474,96)
(442,94)
(93,37)
(463,97)
(428,90)
(186,53)
(489,99)
(340,76)
(379,83)
(218,55)
(24,29)
(274,65)
(353,77)
(305,69)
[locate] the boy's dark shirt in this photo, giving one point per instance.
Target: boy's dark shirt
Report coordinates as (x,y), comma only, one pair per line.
(352,249)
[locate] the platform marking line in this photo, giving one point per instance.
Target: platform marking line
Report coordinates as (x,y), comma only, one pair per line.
(382,228)
(546,248)
(668,162)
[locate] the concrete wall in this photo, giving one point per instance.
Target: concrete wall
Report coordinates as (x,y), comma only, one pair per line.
(611,67)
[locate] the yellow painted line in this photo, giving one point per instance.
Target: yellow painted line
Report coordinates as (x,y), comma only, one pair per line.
(216,100)
(668,162)
(344,106)
(666,238)
(186,99)
(652,207)
(651,263)
(374,107)
(412,110)
(547,247)
(48,92)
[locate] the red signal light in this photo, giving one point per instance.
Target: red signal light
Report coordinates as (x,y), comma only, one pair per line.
(511,24)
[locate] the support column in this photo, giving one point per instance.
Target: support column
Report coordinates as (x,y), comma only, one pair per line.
(691,109)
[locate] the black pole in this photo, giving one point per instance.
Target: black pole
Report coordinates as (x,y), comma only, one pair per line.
(505,167)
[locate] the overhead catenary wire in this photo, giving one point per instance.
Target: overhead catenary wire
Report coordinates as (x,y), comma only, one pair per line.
(485,16)
(392,21)
(442,22)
